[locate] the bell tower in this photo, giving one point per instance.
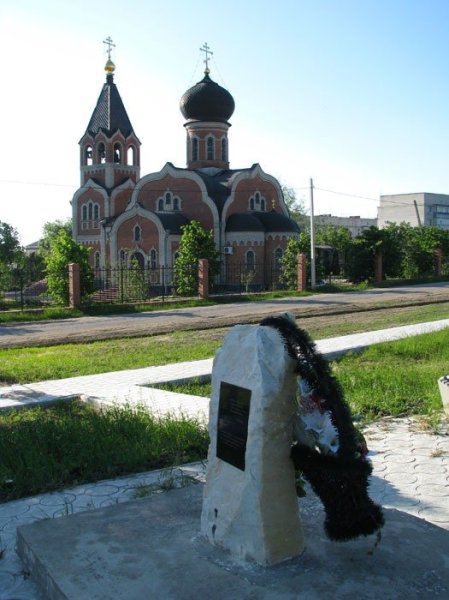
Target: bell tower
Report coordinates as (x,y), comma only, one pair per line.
(109,149)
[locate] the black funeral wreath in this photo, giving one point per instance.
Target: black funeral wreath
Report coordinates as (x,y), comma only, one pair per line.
(338,477)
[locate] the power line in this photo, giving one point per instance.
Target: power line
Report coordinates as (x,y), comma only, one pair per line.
(347,194)
(385,203)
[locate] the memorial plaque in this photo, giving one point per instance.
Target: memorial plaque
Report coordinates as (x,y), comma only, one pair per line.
(232,432)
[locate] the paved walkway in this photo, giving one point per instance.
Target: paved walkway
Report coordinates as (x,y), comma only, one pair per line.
(411,463)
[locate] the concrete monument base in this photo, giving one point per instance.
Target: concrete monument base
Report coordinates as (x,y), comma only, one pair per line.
(151,548)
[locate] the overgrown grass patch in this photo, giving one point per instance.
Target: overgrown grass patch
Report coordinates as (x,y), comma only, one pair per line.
(193,387)
(45,449)
(392,379)
(39,314)
(25,365)
(396,378)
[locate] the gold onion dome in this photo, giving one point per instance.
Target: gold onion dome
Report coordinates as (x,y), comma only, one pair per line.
(109,67)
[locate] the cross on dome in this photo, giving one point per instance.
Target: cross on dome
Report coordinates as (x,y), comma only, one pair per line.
(110,44)
(206,49)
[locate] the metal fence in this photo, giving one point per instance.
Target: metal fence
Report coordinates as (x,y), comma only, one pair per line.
(22,288)
(132,284)
(239,278)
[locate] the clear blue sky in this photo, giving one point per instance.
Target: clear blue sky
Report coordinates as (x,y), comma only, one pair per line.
(353,93)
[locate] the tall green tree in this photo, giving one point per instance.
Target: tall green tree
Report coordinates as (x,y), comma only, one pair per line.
(65,250)
(195,243)
(50,232)
(10,249)
(11,256)
(289,259)
(338,237)
(296,207)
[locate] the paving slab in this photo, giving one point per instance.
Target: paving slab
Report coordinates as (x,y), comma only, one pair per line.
(151,548)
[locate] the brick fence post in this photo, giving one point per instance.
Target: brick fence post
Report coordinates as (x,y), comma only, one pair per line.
(378,271)
(438,261)
(203,278)
(301,272)
(74,285)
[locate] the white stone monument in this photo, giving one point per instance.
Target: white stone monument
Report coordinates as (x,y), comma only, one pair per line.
(250,506)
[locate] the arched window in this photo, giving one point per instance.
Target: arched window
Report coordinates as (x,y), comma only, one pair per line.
(101,153)
(131,156)
(90,213)
(257,202)
(117,153)
(278,254)
(168,202)
(194,148)
(137,233)
(224,149)
(153,259)
(250,262)
(88,155)
(210,148)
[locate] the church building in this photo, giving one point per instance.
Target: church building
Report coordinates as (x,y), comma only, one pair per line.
(125,217)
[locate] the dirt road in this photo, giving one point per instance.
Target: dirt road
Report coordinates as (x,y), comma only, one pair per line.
(139,324)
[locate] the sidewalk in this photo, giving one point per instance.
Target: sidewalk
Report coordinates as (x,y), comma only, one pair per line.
(131,386)
(411,464)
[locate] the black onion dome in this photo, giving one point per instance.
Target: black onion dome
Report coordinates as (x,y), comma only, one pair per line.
(207,101)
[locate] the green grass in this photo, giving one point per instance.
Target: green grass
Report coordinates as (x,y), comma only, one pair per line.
(20,365)
(392,379)
(25,365)
(44,449)
(396,379)
(60,312)
(193,387)
(39,314)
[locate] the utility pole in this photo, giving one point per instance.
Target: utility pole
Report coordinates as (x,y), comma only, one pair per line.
(312,241)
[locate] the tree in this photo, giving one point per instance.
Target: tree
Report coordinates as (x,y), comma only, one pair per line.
(289,259)
(296,207)
(195,243)
(11,254)
(65,250)
(50,232)
(10,249)
(338,237)
(360,262)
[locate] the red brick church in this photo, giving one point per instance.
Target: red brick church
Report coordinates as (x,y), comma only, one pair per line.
(124,216)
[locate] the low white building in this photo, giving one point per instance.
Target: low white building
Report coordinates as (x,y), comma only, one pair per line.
(356,224)
(416,209)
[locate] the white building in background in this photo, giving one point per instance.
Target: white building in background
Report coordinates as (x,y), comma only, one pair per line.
(356,224)
(415,209)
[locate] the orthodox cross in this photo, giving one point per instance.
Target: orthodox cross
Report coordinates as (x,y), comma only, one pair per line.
(110,44)
(206,49)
